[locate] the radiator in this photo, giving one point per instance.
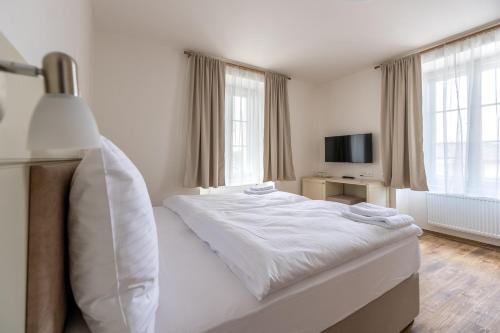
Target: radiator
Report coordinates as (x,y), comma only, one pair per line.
(480,216)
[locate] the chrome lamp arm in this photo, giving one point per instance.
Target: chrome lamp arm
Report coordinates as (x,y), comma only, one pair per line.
(59,71)
(18,68)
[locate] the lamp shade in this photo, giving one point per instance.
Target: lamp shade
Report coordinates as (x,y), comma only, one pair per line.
(62,121)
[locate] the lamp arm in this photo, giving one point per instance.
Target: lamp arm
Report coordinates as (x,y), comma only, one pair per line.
(18,68)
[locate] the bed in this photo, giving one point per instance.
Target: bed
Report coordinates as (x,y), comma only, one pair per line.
(377,292)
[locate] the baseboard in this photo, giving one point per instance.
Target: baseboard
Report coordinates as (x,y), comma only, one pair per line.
(463,240)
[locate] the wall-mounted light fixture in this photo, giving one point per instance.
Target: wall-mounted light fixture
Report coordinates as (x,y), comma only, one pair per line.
(61,119)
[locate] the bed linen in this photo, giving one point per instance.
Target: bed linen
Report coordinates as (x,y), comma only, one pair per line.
(198,292)
(274,246)
(233,201)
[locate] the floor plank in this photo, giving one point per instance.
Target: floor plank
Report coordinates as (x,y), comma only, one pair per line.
(459,287)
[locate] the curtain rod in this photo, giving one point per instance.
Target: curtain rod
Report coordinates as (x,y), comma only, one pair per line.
(454,38)
(237,64)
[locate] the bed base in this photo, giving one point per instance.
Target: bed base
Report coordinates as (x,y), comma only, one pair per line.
(394,311)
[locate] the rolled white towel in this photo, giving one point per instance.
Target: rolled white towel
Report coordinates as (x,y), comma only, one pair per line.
(368,209)
(250,191)
(262,188)
(370,205)
(389,222)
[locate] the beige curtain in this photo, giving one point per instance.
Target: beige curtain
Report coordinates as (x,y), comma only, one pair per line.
(278,163)
(402,150)
(205,143)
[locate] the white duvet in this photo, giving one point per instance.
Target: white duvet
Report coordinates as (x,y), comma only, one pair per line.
(274,240)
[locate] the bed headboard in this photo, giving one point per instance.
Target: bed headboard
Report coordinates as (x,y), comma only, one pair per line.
(49,297)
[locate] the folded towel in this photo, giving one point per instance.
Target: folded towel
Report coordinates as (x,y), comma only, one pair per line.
(250,191)
(370,205)
(262,188)
(368,209)
(389,222)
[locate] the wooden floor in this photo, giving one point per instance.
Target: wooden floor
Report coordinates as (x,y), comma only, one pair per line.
(459,287)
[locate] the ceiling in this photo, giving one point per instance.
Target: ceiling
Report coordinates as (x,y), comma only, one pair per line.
(312,40)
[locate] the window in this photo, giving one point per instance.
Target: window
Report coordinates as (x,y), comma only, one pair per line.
(461,110)
(244,126)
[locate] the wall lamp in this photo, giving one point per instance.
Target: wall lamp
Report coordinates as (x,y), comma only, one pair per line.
(62,118)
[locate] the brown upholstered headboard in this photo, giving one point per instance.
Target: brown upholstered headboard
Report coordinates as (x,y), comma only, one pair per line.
(49,295)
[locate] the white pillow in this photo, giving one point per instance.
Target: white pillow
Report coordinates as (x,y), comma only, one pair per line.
(113,245)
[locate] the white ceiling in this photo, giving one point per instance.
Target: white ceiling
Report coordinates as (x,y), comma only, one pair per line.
(315,40)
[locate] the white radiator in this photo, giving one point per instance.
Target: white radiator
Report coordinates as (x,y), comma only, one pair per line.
(479,216)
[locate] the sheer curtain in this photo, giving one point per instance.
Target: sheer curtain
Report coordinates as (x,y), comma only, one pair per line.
(461,110)
(244,123)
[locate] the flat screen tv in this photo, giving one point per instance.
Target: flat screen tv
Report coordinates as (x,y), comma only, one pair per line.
(355,148)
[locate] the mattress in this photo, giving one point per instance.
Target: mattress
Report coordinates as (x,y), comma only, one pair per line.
(272,244)
(198,293)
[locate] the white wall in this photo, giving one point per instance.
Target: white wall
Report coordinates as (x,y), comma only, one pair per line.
(139,94)
(139,99)
(37,27)
(18,96)
(352,105)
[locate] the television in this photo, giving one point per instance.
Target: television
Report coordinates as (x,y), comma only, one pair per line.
(355,148)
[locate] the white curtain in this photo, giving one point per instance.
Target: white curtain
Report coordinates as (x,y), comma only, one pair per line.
(461,110)
(244,126)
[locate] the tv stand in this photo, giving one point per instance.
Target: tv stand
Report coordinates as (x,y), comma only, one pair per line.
(344,190)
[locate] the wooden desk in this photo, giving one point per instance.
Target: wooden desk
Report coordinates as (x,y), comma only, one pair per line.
(345,190)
